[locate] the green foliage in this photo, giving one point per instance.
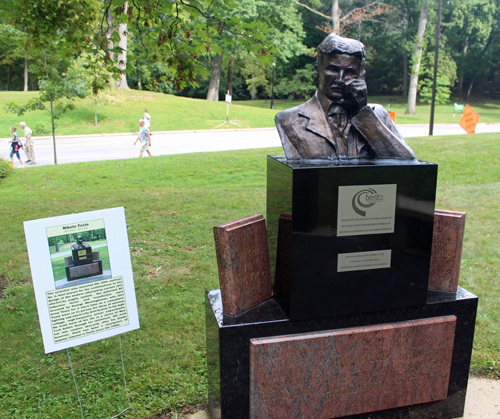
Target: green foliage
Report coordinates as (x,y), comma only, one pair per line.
(52,90)
(5,168)
(446,77)
(300,85)
(11,57)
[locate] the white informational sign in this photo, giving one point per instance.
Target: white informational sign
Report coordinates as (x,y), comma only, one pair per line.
(360,261)
(82,276)
(366,209)
(228,98)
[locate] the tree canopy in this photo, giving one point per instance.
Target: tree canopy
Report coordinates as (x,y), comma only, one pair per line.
(171,45)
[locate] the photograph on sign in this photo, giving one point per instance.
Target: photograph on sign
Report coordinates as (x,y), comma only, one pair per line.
(80,254)
(82,275)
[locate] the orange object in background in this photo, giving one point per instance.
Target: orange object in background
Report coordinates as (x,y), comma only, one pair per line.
(469,120)
(393,115)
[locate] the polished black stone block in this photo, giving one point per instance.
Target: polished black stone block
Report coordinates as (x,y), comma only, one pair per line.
(228,341)
(360,234)
(82,256)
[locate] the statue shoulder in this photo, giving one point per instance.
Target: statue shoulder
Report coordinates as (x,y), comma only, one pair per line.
(378,109)
(288,115)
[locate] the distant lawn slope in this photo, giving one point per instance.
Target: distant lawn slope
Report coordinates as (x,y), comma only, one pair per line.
(121,111)
(172,204)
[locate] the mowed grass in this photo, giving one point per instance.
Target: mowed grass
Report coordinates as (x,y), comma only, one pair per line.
(121,111)
(171,204)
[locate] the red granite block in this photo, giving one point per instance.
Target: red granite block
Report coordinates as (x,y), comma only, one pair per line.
(446,253)
(243,262)
(344,372)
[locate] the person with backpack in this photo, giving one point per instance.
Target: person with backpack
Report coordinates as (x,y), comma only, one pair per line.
(15,145)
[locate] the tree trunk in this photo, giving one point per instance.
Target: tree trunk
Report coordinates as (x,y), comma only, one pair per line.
(122,56)
(139,81)
(25,89)
(405,75)
(335,17)
(254,90)
(469,90)
(460,85)
(213,88)
(461,76)
(405,63)
(51,110)
(109,32)
(9,76)
(417,56)
(230,76)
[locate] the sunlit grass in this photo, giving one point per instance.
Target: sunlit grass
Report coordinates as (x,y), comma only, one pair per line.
(122,110)
(171,204)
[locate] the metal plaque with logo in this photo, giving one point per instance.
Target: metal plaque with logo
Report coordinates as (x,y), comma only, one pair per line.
(366,209)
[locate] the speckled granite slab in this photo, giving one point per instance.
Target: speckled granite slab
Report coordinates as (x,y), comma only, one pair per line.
(243,262)
(336,373)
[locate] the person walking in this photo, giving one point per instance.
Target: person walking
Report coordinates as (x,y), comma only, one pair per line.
(15,145)
(147,120)
(144,137)
(29,149)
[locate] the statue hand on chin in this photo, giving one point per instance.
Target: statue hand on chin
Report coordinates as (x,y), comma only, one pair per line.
(356,95)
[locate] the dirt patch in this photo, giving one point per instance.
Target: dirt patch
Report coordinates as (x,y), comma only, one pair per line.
(3,285)
(184,413)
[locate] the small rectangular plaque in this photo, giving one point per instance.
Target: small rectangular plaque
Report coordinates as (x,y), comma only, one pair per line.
(344,372)
(360,261)
(366,209)
(243,262)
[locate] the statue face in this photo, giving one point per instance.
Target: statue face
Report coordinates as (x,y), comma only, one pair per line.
(334,71)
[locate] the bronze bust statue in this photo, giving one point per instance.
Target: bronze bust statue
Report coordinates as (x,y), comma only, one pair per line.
(80,244)
(337,123)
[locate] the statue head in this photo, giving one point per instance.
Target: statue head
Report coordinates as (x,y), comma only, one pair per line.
(339,61)
(79,239)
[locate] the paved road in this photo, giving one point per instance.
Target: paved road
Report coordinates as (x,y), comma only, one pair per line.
(73,149)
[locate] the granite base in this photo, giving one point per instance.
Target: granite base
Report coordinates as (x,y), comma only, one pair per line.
(84,271)
(228,354)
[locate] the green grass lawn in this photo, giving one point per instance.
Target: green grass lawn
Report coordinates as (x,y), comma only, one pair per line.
(171,204)
(170,113)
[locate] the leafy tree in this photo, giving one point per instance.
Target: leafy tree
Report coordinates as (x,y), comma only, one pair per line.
(417,57)
(91,71)
(300,85)
(55,91)
(11,57)
(446,77)
(284,34)
(472,28)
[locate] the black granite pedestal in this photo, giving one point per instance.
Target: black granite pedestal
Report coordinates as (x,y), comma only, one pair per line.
(228,341)
(359,234)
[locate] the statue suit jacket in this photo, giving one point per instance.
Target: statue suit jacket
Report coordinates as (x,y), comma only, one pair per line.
(306,134)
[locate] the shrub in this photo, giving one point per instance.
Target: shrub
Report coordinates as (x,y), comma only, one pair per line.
(5,168)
